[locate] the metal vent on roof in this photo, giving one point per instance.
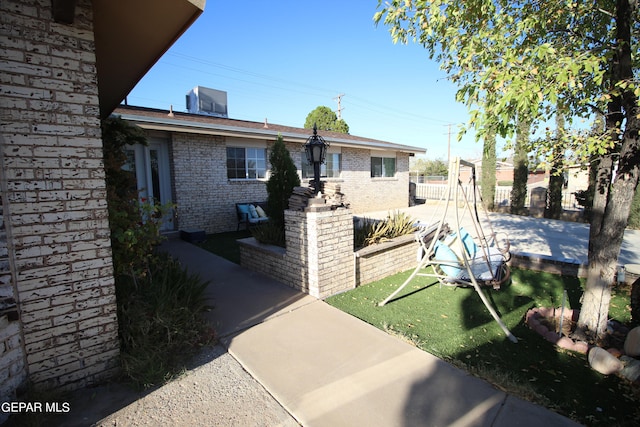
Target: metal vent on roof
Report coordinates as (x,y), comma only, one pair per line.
(207,101)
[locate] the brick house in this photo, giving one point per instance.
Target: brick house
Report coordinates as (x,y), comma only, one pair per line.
(65,64)
(206,164)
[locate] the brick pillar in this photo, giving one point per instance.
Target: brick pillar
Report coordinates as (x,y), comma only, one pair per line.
(320,241)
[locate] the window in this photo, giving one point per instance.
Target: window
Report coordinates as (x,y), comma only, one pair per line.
(246,163)
(383,167)
(329,169)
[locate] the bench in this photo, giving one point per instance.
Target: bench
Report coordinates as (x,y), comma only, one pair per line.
(251,213)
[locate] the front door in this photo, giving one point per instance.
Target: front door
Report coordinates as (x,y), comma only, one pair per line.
(153,175)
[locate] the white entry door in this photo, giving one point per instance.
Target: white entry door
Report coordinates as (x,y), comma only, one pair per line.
(153,175)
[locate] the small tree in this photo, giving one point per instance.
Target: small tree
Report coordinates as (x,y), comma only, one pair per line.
(284,177)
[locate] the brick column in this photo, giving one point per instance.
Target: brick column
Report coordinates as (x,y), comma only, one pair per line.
(320,241)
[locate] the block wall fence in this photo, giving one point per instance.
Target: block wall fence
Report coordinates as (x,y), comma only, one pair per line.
(58,325)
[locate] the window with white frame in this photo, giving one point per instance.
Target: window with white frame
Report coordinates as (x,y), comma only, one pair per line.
(246,163)
(329,169)
(383,166)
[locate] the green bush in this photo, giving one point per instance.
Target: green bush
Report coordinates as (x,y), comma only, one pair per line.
(160,305)
(375,231)
(160,321)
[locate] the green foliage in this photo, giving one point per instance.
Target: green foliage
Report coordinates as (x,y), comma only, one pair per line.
(269,233)
(135,235)
(325,119)
(513,59)
(426,167)
(375,231)
(159,303)
(160,321)
(135,225)
(283,179)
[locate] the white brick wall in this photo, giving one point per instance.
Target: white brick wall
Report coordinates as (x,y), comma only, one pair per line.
(206,198)
(55,199)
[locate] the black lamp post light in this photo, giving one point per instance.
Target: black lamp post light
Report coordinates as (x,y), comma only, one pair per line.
(316,149)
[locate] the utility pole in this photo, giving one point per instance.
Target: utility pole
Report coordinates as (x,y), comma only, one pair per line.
(449,143)
(339,110)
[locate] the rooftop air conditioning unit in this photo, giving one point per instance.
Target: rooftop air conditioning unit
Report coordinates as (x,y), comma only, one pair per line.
(206,101)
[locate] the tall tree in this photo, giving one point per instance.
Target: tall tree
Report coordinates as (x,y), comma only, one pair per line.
(282,180)
(488,174)
(553,208)
(325,119)
(517,59)
(520,169)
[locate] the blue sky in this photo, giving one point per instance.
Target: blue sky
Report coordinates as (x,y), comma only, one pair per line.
(280,60)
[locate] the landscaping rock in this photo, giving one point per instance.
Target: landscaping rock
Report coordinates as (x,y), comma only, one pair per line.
(631,369)
(614,352)
(632,342)
(602,361)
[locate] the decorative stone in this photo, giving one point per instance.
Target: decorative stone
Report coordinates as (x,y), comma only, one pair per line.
(581,347)
(602,361)
(632,342)
(631,370)
(614,352)
(566,343)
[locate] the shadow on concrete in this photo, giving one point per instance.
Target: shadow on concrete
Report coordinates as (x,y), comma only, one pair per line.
(240,298)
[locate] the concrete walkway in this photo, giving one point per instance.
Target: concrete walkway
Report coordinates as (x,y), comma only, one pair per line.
(324,367)
(327,368)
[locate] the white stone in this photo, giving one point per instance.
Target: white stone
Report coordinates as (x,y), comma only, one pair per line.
(632,342)
(604,362)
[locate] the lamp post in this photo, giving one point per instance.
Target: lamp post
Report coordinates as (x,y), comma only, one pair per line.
(316,149)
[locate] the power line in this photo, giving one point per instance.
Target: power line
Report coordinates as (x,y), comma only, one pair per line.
(290,86)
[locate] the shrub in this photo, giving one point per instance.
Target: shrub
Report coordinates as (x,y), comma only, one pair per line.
(269,233)
(160,321)
(159,303)
(378,231)
(283,179)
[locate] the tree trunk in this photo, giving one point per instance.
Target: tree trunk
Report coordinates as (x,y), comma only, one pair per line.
(612,201)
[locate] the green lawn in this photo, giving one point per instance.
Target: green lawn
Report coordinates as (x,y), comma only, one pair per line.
(453,324)
(225,245)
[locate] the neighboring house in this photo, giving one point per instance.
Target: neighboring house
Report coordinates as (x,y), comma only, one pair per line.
(64,65)
(206,164)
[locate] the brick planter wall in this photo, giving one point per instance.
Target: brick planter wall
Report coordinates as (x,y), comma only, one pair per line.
(378,261)
(319,258)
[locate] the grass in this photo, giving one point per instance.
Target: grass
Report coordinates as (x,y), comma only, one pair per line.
(225,245)
(453,324)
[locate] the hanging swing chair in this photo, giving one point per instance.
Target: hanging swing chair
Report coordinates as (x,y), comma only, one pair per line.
(455,257)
